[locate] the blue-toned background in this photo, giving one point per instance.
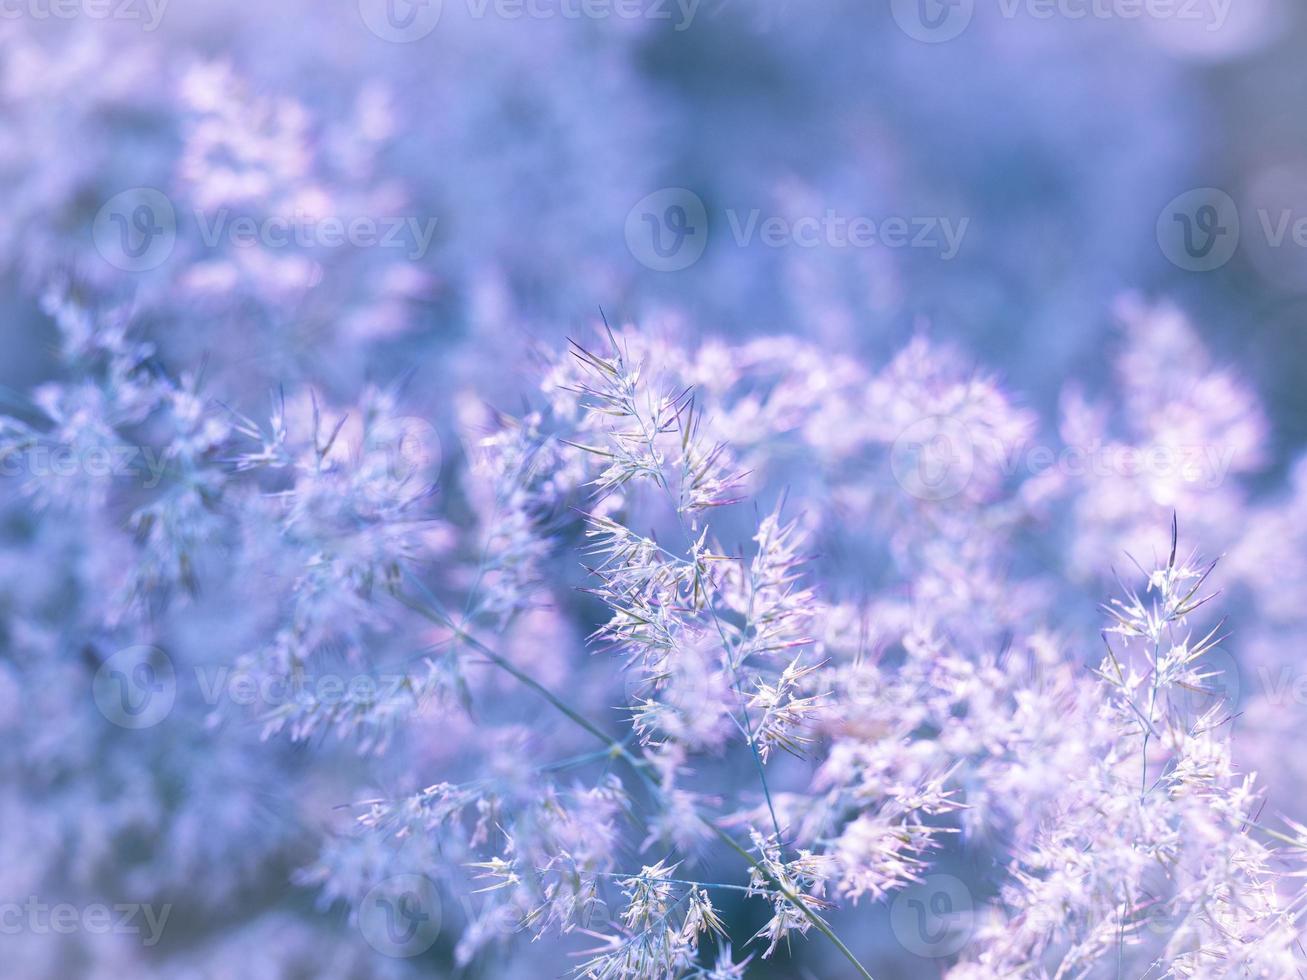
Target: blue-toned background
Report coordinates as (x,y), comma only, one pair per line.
(1015,177)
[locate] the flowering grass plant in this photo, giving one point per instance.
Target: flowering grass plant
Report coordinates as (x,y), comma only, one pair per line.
(374,605)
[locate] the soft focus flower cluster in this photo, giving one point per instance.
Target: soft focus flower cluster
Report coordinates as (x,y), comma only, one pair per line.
(389,610)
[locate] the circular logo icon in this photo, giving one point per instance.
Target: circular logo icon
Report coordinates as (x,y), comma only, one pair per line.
(136,229)
(1199,230)
(866,686)
(934,917)
(1157,917)
(933,458)
(400,916)
(667,230)
(407,446)
(1220,685)
(400,21)
(933,21)
(136,687)
(637,687)
(690,697)
(688,688)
